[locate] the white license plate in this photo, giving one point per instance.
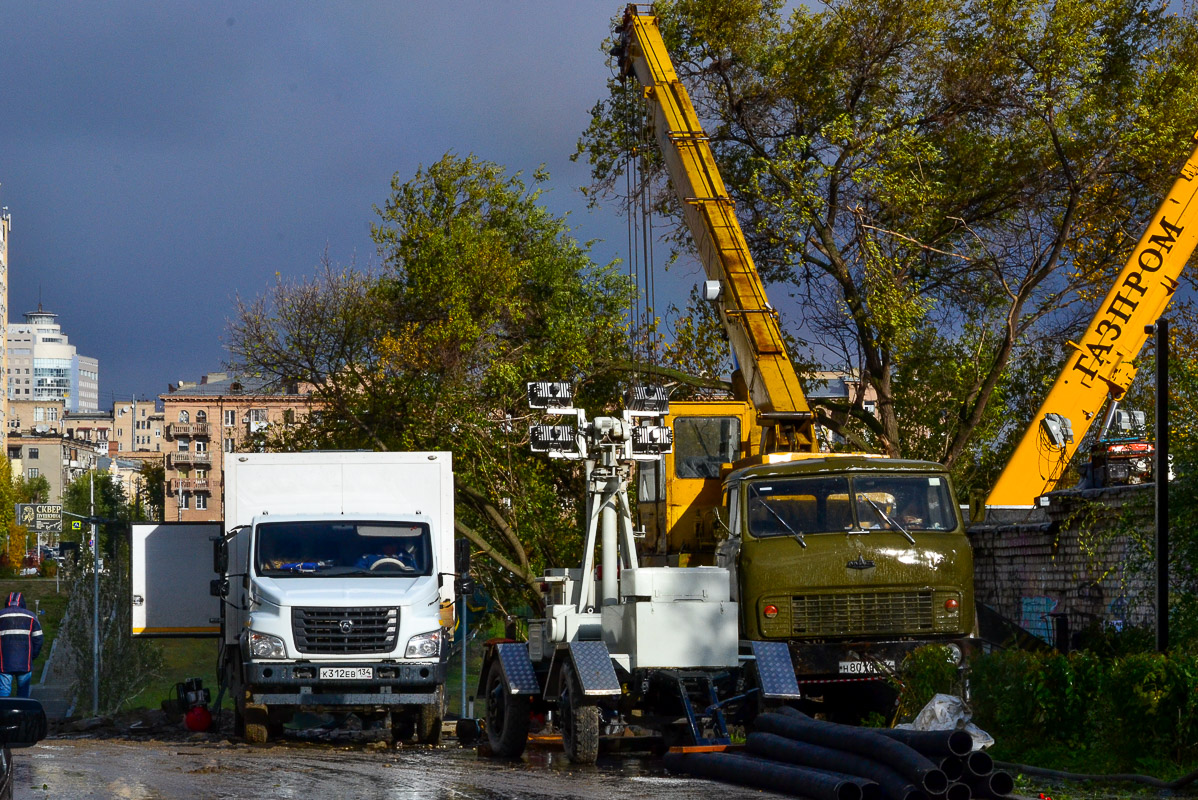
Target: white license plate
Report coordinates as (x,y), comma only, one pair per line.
(346,673)
(865,667)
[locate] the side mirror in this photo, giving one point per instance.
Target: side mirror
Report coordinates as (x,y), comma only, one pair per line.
(220,557)
(721,520)
(22,722)
(219,587)
(461,565)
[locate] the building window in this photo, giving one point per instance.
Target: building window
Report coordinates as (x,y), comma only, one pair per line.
(201,501)
(229,445)
(289,416)
(184,445)
(201,416)
(184,416)
(201,446)
(230,417)
(201,474)
(32,472)
(257,415)
(39,414)
(33,453)
(186,500)
(53,414)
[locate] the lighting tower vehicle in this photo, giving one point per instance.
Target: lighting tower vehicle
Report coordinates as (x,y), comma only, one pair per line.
(620,646)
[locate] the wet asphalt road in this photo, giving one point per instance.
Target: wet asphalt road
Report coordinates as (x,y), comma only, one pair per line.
(91,769)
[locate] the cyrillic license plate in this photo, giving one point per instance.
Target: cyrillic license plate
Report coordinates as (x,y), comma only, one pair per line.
(866,667)
(346,673)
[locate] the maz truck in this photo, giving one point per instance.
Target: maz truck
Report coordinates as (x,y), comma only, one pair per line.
(329,586)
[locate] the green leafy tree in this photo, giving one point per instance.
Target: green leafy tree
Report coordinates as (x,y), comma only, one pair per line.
(480,290)
(127,665)
(152,491)
(944,186)
(32,490)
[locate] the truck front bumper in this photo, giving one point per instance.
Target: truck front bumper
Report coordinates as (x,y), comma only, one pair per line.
(844,662)
(299,683)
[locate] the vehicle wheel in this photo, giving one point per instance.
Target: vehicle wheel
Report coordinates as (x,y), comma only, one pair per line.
(257,724)
(428,729)
(402,727)
(579,721)
(507,716)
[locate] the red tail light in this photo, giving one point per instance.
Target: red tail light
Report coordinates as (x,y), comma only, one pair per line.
(770,611)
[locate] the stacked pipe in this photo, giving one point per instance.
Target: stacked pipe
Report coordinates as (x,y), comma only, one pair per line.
(791,752)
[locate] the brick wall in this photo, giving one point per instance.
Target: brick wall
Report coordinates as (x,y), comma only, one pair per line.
(1073,558)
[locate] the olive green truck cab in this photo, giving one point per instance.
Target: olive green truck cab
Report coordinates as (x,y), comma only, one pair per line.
(852,559)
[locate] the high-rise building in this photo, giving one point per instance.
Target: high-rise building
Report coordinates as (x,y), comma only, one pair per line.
(44,365)
(5,226)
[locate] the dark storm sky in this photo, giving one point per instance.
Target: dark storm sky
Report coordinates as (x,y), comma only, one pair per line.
(160,158)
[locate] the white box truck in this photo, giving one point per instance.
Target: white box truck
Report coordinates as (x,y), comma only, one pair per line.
(329,585)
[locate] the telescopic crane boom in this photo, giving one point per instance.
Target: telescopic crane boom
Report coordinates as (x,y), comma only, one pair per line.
(752,324)
(1100,365)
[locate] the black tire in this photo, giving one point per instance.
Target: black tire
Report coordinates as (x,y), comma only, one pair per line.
(507,716)
(428,727)
(579,720)
(402,727)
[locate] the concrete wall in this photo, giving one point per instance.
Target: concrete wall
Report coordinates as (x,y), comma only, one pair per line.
(1071,558)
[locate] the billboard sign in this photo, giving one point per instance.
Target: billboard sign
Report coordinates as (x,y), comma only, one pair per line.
(40,517)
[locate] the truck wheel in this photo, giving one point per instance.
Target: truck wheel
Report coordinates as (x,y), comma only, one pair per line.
(257,724)
(428,730)
(579,720)
(507,716)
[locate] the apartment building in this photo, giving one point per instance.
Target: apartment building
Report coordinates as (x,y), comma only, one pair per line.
(207,420)
(5,227)
(137,427)
(44,365)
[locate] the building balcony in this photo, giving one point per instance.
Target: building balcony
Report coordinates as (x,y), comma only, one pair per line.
(174,460)
(192,485)
(177,429)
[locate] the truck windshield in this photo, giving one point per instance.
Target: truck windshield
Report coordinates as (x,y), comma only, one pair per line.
(822,504)
(334,549)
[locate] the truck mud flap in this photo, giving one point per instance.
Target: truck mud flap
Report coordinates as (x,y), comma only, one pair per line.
(775,672)
(592,665)
(518,672)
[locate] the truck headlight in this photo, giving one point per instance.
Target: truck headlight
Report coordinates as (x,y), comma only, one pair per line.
(263,645)
(426,645)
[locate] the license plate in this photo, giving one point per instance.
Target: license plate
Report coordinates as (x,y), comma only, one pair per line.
(346,673)
(866,667)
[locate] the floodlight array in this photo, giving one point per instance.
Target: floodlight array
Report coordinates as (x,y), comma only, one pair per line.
(647,401)
(556,397)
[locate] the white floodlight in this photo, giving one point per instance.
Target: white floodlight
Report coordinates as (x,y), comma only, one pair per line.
(553,439)
(647,401)
(652,440)
(553,396)
(712,291)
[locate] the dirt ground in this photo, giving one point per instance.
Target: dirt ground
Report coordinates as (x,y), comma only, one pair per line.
(87,768)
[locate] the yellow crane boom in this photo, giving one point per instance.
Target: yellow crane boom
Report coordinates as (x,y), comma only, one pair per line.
(1100,365)
(752,324)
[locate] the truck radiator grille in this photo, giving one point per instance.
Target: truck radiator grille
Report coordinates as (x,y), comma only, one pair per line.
(345,630)
(866,613)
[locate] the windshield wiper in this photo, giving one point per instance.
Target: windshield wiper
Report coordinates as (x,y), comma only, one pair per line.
(798,536)
(889,519)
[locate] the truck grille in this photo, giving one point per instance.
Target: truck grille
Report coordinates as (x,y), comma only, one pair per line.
(345,630)
(858,614)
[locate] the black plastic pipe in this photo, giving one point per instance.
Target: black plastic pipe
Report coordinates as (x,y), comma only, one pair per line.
(952,766)
(979,764)
(779,748)
(996,784)
(763,774)
(958,790)
(931,743)
(917,768)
